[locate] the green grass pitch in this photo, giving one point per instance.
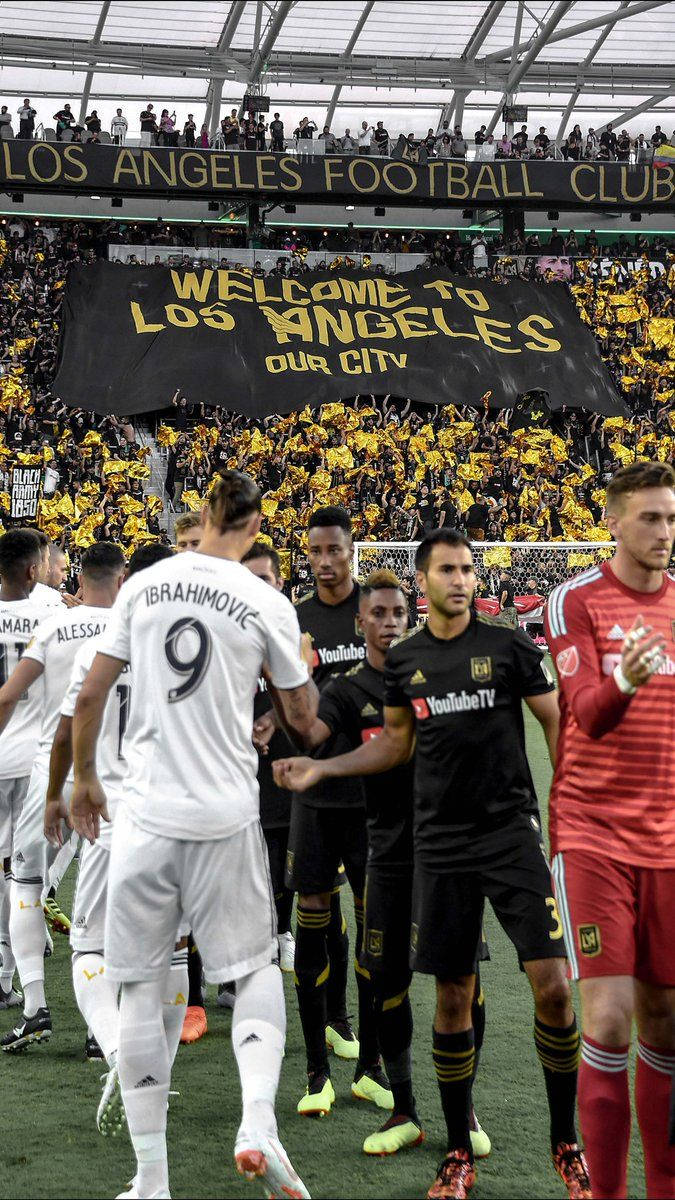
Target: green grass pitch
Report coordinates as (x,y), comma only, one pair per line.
(50,1147)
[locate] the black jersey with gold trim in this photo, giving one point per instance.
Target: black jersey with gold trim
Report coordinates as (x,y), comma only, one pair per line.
(471,770)
(354,704)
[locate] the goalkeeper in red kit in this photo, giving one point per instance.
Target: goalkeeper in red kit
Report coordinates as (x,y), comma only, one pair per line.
(611,631)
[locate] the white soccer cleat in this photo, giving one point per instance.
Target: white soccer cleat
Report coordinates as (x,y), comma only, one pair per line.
(261,1156)
(110,1116)
(132,1193)
(10,999)
(286,951)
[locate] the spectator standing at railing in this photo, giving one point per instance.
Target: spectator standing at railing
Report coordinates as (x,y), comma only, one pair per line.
(543,140)
(148,125)
(381,139)
(623,146)
(203,140)
(571,147)
(592,143)
(445,146)
(93,122)
(349,144)
(480,135)
(64,120)
(504,147)
(189,131)
(167,135)
(331,144)
(248,132)
(658,137)
(260,131)
(608,141)
(6,130)
(27,117)
(459,144)
(305,130)
(520,140)
(277,134)
(642,149)
(118,128)
(230,129)
(364,137)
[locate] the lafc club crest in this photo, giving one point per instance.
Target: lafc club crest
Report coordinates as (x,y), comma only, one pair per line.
(375,942)
(589,940)
(481,669)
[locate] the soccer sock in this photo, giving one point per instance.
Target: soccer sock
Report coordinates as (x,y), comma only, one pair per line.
(369,1050)
(258,1036)
(654,1078)
(394,1029)
(284,906)
(27,935)
(62,861)
(311,973)
(144,1072)
(338,956)
(7,963)
(174,1000)
(453,1059)
(558,1053)
(195,975)
(96,997)
(604,1115)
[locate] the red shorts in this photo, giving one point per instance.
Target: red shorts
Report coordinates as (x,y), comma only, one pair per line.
(617,919)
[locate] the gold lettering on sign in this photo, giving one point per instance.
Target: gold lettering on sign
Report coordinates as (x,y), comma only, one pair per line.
(150,160)
(490,185)
(392,167)
(543,344)
(126,165)
(526,182)
(603,196)
(506,191)
(663,177)
(73,155)
(488,329)
(576,171)
(142,326)
(38,148)
(201,173)
(626,172)
(458,173)
(357,165)
(288,167)
(7,155)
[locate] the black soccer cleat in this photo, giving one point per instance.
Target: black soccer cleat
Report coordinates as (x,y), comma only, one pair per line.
(31,1029)
(92,1050)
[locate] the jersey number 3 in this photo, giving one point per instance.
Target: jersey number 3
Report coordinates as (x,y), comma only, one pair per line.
(188,652)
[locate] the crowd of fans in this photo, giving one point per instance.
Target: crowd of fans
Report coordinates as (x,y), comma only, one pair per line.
(251,131)
(398,466)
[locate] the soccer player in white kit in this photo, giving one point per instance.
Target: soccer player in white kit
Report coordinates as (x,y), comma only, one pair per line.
(96,995)
(20,560)
(187,843)
(50,654)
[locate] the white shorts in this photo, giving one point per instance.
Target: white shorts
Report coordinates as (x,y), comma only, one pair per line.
(12,796)
(31,852)
(87,923)
(221,890)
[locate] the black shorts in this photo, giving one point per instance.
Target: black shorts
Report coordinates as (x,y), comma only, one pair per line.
(276,839)
(319,840)
(387,921)
(448,909)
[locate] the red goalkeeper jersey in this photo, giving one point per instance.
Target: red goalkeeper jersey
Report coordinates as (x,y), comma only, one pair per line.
(614,785)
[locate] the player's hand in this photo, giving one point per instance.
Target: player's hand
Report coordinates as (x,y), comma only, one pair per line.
(55,815)
(88,806)
(264,730)
(296,774)
(642,653)
(72,601)
(307,651)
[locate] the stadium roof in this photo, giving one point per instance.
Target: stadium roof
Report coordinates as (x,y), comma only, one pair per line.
(423,59)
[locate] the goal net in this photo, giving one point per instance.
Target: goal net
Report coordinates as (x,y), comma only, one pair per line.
(534,569)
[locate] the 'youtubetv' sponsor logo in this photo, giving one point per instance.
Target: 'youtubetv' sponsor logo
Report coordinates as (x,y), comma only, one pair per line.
(338,654)
(454,702)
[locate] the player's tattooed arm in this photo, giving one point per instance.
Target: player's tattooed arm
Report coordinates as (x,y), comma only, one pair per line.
(545,709)
(296,709)
(393,747)
(60,762)
(88,803)
(24,674)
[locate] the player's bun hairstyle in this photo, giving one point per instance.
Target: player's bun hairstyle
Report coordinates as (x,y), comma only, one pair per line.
(262,550)
(147,556)
(379,580)
(331,515)
(185,521)
(19,549)
(102,562)
(233,499)
(438,537)
(635,478)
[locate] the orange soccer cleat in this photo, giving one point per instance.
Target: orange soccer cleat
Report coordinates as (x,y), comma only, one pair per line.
(195,1024)
(454,1178)
(569,1162)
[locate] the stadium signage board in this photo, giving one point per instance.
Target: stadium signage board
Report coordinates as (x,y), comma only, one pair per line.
(263,345)
(25,493)
(194,173)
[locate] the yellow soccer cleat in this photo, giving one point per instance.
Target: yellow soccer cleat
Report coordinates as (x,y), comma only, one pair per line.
(480,1142)
(341,1039)
(318,1098)
(398,1133)
(55,917)
(372,1084)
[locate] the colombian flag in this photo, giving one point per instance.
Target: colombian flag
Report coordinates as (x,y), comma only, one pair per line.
(664,156)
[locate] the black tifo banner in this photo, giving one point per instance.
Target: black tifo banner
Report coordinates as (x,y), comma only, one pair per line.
(25,491)
(199,174)
(132,336)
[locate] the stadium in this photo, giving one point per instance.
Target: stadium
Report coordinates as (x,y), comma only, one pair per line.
(373,301)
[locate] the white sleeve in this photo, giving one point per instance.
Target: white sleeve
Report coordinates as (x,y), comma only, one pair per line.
(116,638)
(37,646)
(283,647)
(83,660)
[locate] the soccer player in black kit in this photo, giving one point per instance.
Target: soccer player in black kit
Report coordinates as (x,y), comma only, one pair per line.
(453,688)
(328,827)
